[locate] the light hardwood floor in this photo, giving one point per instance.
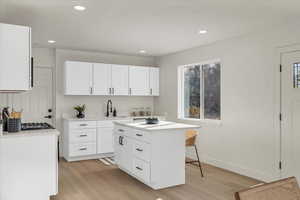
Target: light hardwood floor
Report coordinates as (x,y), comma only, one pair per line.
(92,180)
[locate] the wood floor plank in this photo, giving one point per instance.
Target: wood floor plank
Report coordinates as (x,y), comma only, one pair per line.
(93,180)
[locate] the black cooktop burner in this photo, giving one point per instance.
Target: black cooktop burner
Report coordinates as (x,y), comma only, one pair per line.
(35,126)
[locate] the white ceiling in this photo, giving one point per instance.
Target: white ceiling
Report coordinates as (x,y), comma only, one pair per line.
(158,26)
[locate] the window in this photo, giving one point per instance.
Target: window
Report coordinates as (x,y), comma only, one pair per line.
(296,75)
(199,91)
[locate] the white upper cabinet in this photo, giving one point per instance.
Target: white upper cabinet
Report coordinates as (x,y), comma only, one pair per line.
(83,78)
(102,79)
(154,81)
(119,80)
(139,81)
(78,78)
(15,58)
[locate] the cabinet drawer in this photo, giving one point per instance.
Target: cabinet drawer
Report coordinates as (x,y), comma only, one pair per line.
(83,136)
(82,149)
(141,150)
(141,135)
(122,130)
(83,124)
(141,169)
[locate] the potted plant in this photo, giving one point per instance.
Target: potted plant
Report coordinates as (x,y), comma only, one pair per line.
(80,111)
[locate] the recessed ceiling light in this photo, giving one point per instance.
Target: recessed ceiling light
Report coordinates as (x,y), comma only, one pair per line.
(51,41)
(79,7)
(202,31)
(143,51)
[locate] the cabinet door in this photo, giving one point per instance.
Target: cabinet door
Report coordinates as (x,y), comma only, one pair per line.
(101,79)
(120,80)
(139,81)
(117,148)
(105,141)
(15,57)
(127,157)
(154,81)
(78,78)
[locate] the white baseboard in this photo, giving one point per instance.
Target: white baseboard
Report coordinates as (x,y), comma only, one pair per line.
(235,168)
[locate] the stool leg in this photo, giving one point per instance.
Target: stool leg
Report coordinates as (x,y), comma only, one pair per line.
(199,161)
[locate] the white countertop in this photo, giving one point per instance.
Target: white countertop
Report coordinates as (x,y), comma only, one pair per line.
(31,133)
(162,125)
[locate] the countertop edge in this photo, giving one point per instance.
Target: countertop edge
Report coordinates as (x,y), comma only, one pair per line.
(153,130)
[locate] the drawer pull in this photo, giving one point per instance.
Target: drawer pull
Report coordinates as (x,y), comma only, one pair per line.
(83,149)
(139,168)
(138,149)
(83,124)
(138,134)
(82,135)
(121,130)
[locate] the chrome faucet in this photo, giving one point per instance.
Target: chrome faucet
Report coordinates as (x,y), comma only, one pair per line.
(109,109)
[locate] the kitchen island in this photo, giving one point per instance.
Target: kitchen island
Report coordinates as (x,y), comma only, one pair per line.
(29,165)
(153,154)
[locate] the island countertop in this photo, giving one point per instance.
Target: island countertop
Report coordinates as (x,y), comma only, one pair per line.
(162,125)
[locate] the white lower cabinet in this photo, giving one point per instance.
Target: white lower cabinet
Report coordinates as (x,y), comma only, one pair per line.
(105,142)
(156,158)
(87,139)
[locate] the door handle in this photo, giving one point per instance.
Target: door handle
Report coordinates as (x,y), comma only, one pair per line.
(48,116)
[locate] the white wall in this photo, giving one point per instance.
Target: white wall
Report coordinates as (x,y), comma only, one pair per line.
(247,139)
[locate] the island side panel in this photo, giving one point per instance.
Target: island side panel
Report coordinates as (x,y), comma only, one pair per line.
(167,158)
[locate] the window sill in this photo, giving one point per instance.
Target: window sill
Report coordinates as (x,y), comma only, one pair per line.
(203,122)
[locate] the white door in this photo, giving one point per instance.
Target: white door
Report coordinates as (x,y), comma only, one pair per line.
(37,103)
(119,80)
(101,79)
(105,141)
(139,81)
(291,114)
(154,81)
(78,78)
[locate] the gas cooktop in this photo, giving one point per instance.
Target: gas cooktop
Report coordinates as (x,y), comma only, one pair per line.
(35,126)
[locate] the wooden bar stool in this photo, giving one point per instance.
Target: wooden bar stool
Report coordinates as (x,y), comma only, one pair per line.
(286,189)
(190,141)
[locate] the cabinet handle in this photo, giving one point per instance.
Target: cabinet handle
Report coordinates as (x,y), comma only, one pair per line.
(83,125)
(120,130)
(91,90)
(83,135)
(83,149)
(113,90)
(31,70)
(139,168)
(109,90)
(130,91)
(140,150)
(140,135)
(151,91)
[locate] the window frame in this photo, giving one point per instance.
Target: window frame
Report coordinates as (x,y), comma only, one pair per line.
(180,90)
